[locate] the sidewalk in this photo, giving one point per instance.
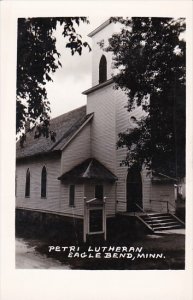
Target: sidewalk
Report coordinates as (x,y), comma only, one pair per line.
(172,231)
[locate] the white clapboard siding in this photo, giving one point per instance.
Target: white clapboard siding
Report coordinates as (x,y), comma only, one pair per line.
(110,194)
(123,122)
(78,150)
(52,200)
(103,137)
(89,191)
(57,199)
(78,209)
(162,192)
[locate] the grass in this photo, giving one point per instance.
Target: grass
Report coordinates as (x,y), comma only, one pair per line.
(121,233)
(171,245)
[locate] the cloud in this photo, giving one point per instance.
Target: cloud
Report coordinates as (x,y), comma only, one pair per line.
(65,92)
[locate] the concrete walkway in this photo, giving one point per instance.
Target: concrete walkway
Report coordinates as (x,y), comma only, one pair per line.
(172,231)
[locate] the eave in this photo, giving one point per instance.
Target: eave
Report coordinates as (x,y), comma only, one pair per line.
(97,87)
(99,28)
(79,129)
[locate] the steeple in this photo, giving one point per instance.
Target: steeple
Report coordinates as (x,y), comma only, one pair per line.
(101,60)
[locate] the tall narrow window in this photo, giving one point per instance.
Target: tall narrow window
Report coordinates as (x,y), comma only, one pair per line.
(103,69)
(99,192)
(71,195)
(27,184)
(43,182)
(16,185)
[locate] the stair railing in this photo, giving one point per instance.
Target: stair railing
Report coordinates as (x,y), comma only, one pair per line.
(179,220)
(168,210)
(147,215)
(162,201)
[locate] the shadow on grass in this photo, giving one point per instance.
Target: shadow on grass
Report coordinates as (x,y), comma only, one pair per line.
(172,246)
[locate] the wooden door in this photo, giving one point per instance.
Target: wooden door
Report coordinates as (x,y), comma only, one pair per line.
(134,190)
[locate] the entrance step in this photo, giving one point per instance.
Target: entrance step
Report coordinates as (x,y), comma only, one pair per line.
(158,221)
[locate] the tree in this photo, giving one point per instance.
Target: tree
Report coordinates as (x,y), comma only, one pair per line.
(37,58)
(150,55)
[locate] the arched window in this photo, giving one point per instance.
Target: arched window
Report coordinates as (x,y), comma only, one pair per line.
(27,183)
(43,182)
(102,69)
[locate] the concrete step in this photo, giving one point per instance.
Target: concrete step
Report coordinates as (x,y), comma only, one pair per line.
(164,224)
(167,227)
(160,221)
(157,219)
(157,214)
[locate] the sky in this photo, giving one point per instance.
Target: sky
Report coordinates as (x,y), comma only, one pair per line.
(65,92)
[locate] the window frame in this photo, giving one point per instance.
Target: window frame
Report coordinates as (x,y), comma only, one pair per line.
(44,183)
(102,69)
(71,202)
(99,185)
(27,183)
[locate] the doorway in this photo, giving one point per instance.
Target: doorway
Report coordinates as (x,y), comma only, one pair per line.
(134,190)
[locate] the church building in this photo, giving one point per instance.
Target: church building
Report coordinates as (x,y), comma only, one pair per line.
(79,175)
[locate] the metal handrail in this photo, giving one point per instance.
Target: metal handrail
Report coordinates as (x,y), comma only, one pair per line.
(141,208)
(177,219)
(164,201)
(145,214)
(91,200)
(168,203)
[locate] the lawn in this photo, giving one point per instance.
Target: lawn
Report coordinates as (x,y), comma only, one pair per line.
(170,249)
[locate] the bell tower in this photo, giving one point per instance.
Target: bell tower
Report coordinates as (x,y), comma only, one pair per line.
(100,58)
(101,98)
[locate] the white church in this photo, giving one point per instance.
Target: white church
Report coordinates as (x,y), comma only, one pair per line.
(79,175)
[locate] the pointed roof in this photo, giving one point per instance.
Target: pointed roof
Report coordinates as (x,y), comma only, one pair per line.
(90,169)
(65,126)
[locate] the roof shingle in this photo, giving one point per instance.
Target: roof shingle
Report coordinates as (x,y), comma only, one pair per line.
(89,169)
(65,126)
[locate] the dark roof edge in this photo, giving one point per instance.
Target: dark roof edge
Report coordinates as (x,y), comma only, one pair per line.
(89,161)
(57,117)
(77,131)
(99,28)
(163,178)
(38,155)
(98,86)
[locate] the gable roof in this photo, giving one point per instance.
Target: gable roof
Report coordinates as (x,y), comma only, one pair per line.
(162,178)
(89,169)
(65,127)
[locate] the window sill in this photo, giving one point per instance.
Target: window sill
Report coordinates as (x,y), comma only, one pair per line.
(73,206)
